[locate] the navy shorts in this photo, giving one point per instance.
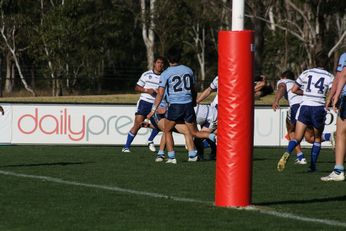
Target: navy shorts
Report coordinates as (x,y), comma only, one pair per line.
(181,113)
(155,120)
(314,116)
(143,108)
(293,113)
(342,107)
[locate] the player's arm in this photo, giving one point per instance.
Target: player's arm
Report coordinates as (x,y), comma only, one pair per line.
(194,95)
(332,91)
(2,110)
(279,94)
(141,89)
(158,99)
(296,89)
(340,85)
(259,85)
(204,95)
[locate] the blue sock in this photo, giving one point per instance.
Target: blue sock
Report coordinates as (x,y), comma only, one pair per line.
(161,153)
(212,137)
(129,140)
(291,145)
(192,153)
(171,155)
(338,169)
(315,151)
(300,156)
(326,136)
(205,144)
(154,132)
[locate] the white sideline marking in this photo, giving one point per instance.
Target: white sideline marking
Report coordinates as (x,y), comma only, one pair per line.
(260,209)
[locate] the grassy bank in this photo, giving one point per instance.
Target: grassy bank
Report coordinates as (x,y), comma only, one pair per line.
(114,98)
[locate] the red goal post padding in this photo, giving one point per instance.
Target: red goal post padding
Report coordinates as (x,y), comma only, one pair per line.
(235,119)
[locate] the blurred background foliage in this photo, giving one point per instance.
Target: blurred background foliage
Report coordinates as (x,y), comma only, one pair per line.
(81,47)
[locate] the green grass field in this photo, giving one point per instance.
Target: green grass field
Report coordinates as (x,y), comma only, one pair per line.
(100,188)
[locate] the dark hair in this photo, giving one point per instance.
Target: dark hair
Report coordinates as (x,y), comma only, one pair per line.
(173,54)
(288,74)
(322,59)
(159,58)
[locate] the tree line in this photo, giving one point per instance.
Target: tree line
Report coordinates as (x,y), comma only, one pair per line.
(103,46)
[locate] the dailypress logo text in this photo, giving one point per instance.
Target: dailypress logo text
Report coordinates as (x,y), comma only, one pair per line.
(74,126)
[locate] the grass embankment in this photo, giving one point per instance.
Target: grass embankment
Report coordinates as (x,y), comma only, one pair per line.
(106,99)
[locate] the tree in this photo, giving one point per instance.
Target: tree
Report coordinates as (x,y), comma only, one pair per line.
(13,23)
(148,26)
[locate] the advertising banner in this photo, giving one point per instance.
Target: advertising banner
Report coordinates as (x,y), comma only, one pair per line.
(110,124)
(75,124)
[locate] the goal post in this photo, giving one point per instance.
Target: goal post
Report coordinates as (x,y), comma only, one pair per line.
(233,184)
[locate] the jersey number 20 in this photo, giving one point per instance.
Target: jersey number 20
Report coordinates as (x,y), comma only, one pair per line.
(180,83)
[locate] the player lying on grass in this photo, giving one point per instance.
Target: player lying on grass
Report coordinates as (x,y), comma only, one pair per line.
(313,84)
(284,86)
(206,118)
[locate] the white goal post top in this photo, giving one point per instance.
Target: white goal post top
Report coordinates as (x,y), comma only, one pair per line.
(238,15)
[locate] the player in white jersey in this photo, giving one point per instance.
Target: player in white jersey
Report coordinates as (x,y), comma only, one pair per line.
(213,115)
(284,86)
(313,84)
(338,98)
(179,84)
(147,85)
(214,104)
(206,118)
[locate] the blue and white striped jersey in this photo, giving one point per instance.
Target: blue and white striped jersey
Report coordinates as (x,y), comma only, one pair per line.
(315,84)
(148,80)
(179,81)
(342,65)
(290,96)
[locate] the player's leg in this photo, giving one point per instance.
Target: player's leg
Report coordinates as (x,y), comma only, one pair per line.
(340,148)
(199,134)
(192,152)
(298,136)
(133,132)
(316,148)
(340,151)
(300,155)
(318,116)
(143,109)
(150,141)
(161,153)
(167,130)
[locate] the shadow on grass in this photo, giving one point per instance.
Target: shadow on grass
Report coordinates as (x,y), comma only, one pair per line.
(45,164)
(315,200)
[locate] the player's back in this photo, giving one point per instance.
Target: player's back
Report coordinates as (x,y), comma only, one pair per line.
(179,82)
(202,113)
(290,96)
(315,83)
